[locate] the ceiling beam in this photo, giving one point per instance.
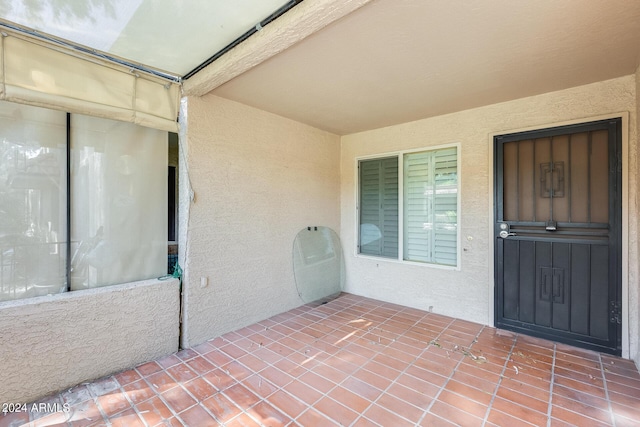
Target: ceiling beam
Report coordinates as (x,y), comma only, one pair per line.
(295,25)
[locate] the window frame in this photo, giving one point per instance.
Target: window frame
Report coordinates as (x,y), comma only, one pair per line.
(399,154)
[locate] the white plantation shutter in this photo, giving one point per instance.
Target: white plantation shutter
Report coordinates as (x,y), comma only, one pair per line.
(430,206)
(418,207)
(379,207)
(446,206)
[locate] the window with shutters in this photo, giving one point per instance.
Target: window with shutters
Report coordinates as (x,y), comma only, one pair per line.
(379,207)
(408,206)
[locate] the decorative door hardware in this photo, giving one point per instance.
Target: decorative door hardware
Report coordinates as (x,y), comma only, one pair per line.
(552,179)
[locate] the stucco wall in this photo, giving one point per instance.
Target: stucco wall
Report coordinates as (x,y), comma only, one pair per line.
(53,342)
(634,281)
(257,180)
(468,293)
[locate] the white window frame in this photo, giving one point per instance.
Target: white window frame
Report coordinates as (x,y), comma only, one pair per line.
(400,156)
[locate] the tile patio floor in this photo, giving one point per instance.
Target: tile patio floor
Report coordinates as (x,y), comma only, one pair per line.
(360,362)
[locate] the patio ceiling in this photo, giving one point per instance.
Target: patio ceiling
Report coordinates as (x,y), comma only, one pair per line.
(352,65)
(392,61)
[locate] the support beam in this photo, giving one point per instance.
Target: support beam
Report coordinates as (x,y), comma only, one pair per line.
(295,25)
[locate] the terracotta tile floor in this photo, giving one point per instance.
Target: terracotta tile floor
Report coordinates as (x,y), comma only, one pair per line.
(359,362)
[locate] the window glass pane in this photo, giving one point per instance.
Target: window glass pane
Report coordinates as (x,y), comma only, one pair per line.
(119,202)
(430,206)
(32,201)
(379,207)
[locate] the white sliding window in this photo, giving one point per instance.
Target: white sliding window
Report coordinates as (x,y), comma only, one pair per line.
(429,200)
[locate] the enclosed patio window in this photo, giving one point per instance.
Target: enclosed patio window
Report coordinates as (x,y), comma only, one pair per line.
(408,206)
(96,219)
(119,202)
(33,200)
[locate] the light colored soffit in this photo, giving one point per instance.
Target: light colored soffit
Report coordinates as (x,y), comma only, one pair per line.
(392,61)
(297,24)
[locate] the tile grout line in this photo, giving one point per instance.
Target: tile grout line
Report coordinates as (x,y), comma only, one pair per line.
(159,395)
(357,370)
(179,383)
(253,372)
(410,364)
(553,379)
(133,406)
(373,402)
(269,364)
(98,406)
(372,357)
(606,391)
(310,406)
(281,388)
(499,382)
(455,369)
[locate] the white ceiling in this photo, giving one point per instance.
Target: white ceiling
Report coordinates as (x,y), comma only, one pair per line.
(394,61)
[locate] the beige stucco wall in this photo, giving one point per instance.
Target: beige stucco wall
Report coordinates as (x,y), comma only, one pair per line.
(257,179)
(54,342)
(468,293)
(634,280)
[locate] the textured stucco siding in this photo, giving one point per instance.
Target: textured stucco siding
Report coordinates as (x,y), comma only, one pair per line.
(468,293)
(53,342)
(257,180)
(634,279)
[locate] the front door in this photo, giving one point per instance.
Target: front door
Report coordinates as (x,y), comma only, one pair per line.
(558,234)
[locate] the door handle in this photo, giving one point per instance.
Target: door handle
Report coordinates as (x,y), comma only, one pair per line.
(504,234)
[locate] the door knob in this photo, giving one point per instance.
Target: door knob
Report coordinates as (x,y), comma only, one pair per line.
(504,234)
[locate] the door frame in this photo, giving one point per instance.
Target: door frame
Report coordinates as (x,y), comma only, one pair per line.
(624,239)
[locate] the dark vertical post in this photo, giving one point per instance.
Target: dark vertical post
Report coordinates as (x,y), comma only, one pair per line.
(535,195)
(518,181)
(589,145)
(568,177)
(68,269)
(551,173)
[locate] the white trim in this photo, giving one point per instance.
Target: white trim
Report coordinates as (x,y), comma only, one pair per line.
(624,115)
(399,154)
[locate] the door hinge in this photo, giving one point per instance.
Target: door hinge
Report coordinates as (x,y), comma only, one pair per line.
(615,312)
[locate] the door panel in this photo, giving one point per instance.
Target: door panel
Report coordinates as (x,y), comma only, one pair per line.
(558,213)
